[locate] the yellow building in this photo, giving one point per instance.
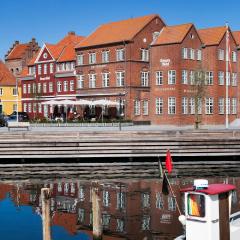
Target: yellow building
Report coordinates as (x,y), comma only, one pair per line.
(10,98)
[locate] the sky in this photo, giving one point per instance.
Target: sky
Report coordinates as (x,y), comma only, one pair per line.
(50,20)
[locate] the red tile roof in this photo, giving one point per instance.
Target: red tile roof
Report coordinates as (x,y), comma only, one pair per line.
(115,32)
(212,36)
(236,36)
(173,34)
(17,52)
(71,38)
(6,77)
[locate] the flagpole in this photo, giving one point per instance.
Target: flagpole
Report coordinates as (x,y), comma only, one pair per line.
(172,192)
(227,75)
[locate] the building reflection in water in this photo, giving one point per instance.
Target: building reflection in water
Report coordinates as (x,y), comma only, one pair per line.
(134,209)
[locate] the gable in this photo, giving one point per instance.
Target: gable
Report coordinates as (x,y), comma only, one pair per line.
(44,55)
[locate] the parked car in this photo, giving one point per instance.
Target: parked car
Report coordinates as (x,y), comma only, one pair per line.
(3,120)
(22,117)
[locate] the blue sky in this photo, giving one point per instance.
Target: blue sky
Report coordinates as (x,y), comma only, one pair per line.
(49,20)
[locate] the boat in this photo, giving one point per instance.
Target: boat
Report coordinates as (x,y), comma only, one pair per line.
(207,212)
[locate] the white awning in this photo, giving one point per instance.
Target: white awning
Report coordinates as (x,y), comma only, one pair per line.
(105,102)
(83,102)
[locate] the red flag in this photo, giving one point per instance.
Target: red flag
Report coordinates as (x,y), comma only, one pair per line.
(168,162)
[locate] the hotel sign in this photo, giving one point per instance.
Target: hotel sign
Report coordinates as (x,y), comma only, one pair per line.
(165,62)
(44,78)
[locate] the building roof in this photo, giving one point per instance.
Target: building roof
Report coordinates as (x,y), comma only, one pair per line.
(236,36)
(6,77)
(71,38)
(115,32)
(212,36)
(17,51)
(173,34)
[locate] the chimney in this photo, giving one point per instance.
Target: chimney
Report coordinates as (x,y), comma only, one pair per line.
(71,33)
(16,43)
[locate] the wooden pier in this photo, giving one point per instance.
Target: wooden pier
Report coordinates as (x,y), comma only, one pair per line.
(124,144)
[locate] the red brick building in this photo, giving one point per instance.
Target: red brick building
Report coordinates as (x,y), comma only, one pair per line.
(177,55)
(50,75)
(114,61)
(19,54)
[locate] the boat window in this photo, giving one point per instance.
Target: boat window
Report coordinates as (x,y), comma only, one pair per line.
(196,205)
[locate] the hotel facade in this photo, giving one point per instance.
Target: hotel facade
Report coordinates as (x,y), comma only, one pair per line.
(159,74)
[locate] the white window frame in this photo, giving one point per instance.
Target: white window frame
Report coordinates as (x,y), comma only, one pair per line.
(80,59)
(65,86)
(144,79)
(120,54)
(209,105)
(105,79)
(184,105)
(120,78)
(145,107)
(45,66)
(92,80)
(221,54)
(39,69)
(234,56)
(80,81)
(51,67)
(234,105)
(199,54)
(159,106)
(221,105)
(159,78)
(172,77)
(92,58)
(184,77)
(144,55)
(192,106)
(234,79)
(172,105)
(221,78)
(209,78)
(45,87)
(137,107)
(59,86)
(71,86)
(184,53)
(50,87)
(105,56)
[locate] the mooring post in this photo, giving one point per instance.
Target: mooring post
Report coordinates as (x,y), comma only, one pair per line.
(96,210)
(45,196)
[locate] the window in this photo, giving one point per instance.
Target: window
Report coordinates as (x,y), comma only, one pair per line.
(105,56)
(159,201)
(137,107)
(44,87)
(171,77)
(144,79)
(234,106)
(234,56)
(145,55)
(68,66)
(71,85)
(92,58)
(120,54)
(34,107)
(196,205)
(171,105)
(145,222)
(105,79)
(92,80)
(81,215)
(39,88)
(59,86)
(51,67)
(66,188)
(29,107)
(221,105)
(31,70)
(120,225)
(24,89)
(121,200)
(145,107)
(106,220)
(81,194)
(15,91)
(192,77)
(184,105)
(209,106)
(159,106)
(80,59)
(221,78)
(15,108)
(159,78)
(45,110)
(25,107)
(59,187)
(192,54)
(106,198)
(234,79)
(120,79)
(171,203)
(34,88)
(45,69)
(65,86)
(39,107)
(80,81)
(145,200)
(39,69)
(209,78)
(184,77)
(50,87)
(199,55)
(199,105)
(228,78)
(192,105)
(220,54)
(184,53)
(228,110)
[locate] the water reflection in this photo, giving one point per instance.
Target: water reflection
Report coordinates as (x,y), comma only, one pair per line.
(131,209)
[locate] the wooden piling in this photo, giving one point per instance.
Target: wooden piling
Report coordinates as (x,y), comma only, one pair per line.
(46,223)
(97,216)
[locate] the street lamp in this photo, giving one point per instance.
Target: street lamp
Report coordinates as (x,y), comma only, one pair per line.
(121,113)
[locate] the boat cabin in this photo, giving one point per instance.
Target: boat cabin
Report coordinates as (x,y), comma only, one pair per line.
(207,211)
